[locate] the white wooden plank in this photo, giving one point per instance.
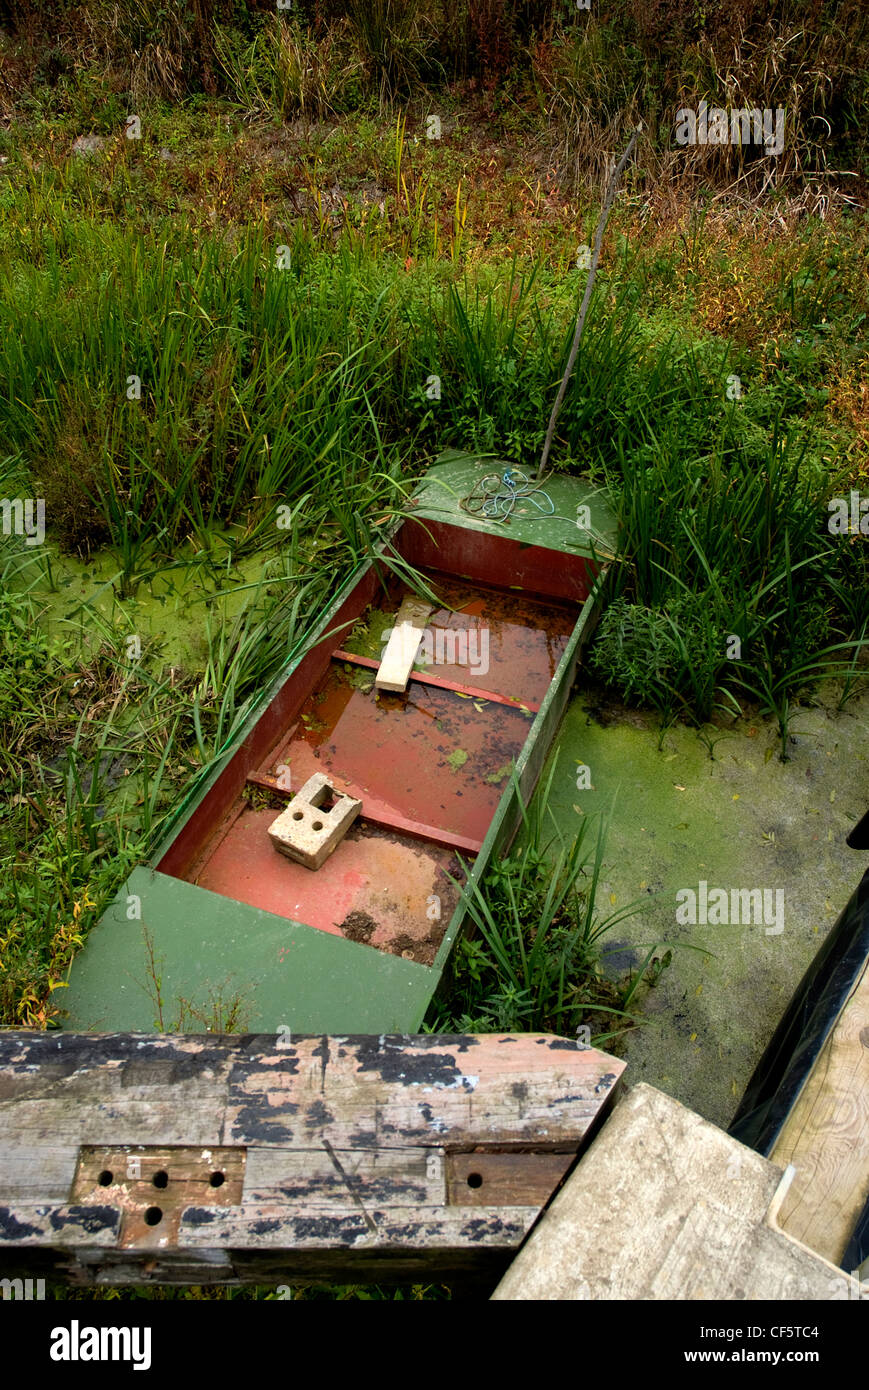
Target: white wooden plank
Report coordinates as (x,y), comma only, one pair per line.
(397,664)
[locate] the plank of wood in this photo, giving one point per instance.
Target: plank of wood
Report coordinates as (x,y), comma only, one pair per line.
(401,649)
(826,1136)
(665,1206)
(331,1149)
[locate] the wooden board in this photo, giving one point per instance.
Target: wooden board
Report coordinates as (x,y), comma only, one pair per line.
(386,1157)
(401,649)
(826,1136)
(665,1206)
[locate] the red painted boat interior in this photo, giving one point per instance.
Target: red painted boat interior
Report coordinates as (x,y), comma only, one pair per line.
(429,765)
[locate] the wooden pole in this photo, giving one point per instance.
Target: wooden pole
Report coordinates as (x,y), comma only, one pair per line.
(609,199)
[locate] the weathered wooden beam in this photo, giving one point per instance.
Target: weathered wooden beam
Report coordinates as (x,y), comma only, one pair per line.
(131,1158)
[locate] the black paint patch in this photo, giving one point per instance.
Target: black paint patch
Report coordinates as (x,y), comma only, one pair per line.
(318,1116)
(13,1229)
(605,1082)
(292,1194)
(363,1139)
(480,1226)
(256,1122)
(255,1066)
(91,1219)
(397,1065)
(341,1229)
(199,1216)
(265,1227)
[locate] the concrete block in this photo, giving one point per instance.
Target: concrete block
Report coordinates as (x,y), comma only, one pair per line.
(314,823)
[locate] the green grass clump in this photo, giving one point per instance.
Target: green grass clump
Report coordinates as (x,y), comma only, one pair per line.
(532,960)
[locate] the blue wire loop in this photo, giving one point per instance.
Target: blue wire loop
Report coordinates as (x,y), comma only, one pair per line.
(500,494)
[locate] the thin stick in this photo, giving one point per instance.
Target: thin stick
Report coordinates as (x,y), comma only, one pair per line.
(609,199)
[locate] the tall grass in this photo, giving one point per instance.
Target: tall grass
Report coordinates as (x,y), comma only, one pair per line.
(730,585)
(251,385)
(164,386)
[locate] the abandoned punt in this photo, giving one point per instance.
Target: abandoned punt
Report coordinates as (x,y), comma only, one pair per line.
(312,874)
